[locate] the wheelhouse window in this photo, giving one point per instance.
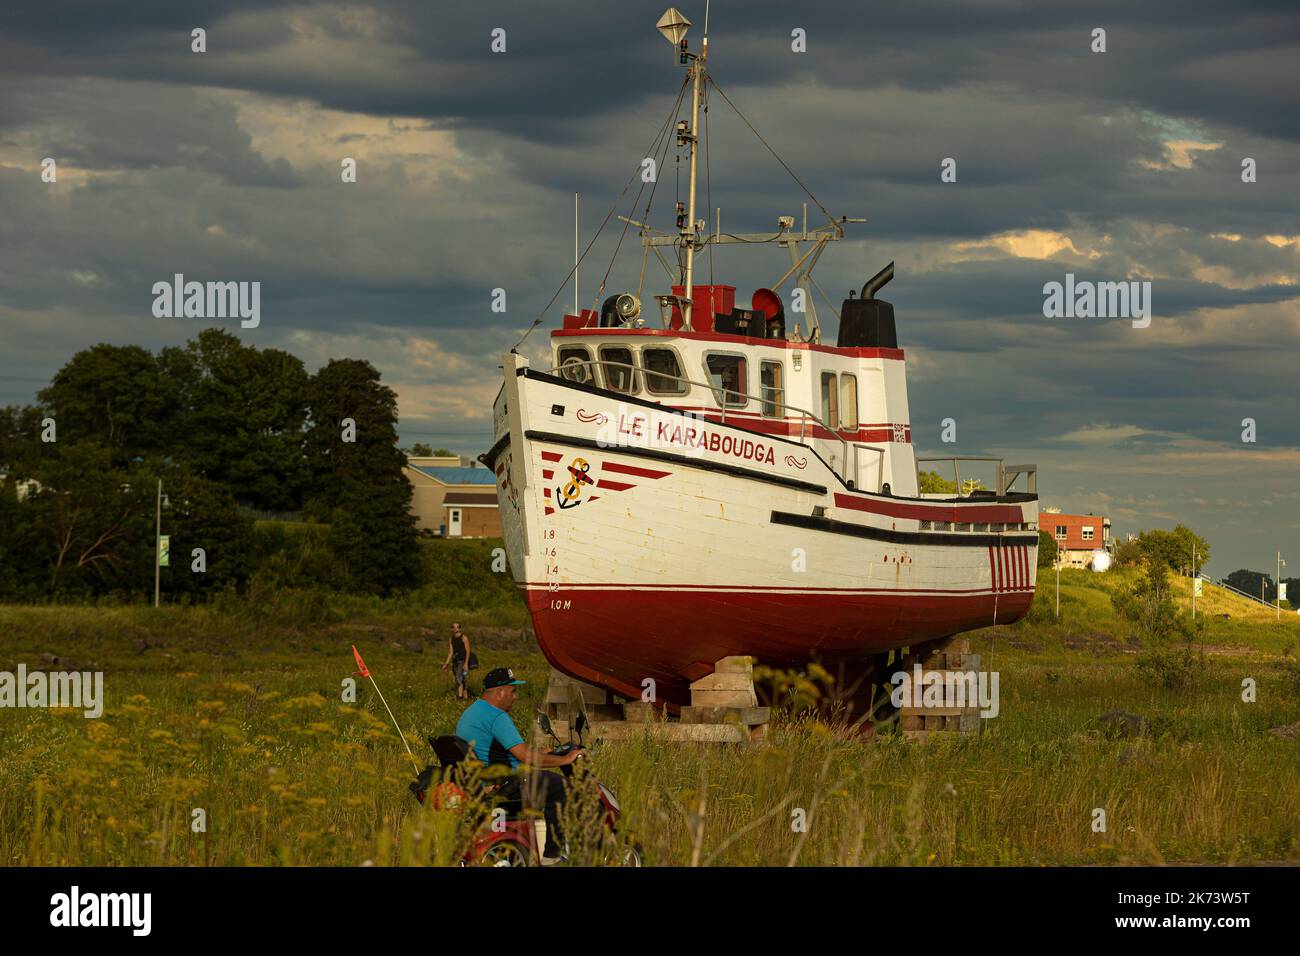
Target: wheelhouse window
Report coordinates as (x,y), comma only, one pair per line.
(773,389)
(572,359)
(727,376)
(614,368)
(658,365)
(830,400)
(1087,532)
(848,401)
(1060,532)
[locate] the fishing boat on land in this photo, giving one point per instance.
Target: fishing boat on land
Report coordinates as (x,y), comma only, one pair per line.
(724,482)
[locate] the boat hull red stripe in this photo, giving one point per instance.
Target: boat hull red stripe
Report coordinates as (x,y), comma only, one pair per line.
(551,456)
(633,470)
(757,588)
(613,485)
(927,512)
(618,638)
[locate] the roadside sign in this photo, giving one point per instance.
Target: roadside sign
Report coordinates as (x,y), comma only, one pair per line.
(1196,586)
(164,551)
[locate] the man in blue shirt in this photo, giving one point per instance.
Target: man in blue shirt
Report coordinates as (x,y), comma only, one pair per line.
(493,737)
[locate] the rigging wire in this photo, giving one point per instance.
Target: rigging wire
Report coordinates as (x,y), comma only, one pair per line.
(777,157)
(708,174)
(660,157)
(653,146)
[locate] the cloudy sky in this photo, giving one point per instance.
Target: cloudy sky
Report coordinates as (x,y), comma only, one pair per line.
(1120,165)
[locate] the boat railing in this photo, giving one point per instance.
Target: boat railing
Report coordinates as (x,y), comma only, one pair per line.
(1006,474)
(805,416)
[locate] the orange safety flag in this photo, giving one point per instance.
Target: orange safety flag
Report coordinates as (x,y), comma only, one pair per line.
(365,671)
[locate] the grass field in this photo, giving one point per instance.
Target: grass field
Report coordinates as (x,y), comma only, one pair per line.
(237,712)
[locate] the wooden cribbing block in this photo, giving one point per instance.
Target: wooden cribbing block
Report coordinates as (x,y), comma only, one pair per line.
(697,733)
(557,690)
(938,711)
(730,685)
(953,662)
(941,661)
(749,716)
(724,681)
(724,698)
(735,665)
(640,712)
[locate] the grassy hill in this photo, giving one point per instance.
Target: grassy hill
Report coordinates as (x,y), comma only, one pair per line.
(1232,623)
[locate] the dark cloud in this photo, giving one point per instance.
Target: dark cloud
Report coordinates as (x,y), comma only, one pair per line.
(224,165)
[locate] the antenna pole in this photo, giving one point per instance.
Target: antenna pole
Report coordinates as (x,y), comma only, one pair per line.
(697,71)
(575,255)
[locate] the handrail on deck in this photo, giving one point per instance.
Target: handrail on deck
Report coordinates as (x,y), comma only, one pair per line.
(1007,474)
(805,413)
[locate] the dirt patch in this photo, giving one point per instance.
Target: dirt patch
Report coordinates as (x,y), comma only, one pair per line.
(1229,650)
(1099,643)
(1287,731)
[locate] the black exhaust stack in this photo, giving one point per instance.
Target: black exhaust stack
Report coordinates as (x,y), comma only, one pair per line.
(877,282)
(868,322)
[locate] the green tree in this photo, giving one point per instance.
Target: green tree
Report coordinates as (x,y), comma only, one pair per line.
(245,412)
(420,450)
(358,484)
(200,514)
(1174,548)
(1168,634)
(85,529)
(1255,583)
(1047,550)
(442,453)
(1128,554)
(113,394)
(21,576)
(933,483)
(21,448)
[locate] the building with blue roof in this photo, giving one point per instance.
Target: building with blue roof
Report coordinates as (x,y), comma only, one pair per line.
(453,498)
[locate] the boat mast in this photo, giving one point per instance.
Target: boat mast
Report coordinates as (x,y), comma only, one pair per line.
(673,26)
(697,68)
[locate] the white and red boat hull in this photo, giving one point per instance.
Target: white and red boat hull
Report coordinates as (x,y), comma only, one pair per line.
(701,540)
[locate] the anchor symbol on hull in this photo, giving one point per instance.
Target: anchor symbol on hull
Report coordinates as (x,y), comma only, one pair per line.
(568,495)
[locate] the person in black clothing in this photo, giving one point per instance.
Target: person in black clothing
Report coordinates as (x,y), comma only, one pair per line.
(458,659)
